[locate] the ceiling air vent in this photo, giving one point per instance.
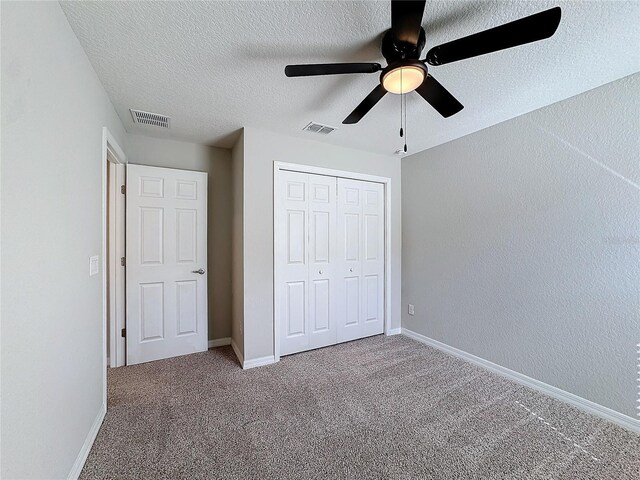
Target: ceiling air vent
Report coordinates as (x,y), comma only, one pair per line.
(319,128)
(148,118)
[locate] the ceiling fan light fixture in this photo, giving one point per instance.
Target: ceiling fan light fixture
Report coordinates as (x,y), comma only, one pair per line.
(403,79)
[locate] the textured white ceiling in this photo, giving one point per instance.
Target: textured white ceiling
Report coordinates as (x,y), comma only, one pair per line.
(214,67)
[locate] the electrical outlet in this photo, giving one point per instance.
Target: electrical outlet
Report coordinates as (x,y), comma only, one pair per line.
(412,310)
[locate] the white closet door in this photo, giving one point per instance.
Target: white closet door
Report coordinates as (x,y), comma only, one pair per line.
(322,261)
(360,233)
(292,287)
(350,251)
(305,222)
(372,258)
(166,280)
(329,260)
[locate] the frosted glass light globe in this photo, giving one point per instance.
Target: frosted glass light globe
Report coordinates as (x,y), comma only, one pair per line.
(403,79)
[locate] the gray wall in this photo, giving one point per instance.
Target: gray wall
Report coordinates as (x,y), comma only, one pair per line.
(217,163)
(261,149)
(53,111)
(237,250)
(521,244)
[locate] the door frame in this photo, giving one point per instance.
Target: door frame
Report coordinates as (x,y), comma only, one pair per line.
(115,270)
(330,172)
(111,153)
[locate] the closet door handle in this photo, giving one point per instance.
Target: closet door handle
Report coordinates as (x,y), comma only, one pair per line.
(320,272)
(351,270)
(200,271)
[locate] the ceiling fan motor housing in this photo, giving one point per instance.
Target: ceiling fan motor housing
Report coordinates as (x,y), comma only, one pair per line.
(395,50)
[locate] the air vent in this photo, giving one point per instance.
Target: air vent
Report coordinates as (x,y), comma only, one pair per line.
(148,118)
(319,128)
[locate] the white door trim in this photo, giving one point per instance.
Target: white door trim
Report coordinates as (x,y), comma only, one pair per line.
(386,181)
(111,152)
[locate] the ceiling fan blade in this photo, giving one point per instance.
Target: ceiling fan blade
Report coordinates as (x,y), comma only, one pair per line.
(330,69)
(438,97)
(366,105)
(526,30)
(406,20)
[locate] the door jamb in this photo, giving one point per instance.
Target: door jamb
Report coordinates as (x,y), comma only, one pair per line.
(115,270)
(111,153)
(386,182)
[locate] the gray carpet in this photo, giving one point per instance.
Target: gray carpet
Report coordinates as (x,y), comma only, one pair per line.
(383,407)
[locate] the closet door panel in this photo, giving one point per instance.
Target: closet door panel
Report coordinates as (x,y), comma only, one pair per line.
(361,248)
(322,259)
(292,254)
(373,258)
(350,243)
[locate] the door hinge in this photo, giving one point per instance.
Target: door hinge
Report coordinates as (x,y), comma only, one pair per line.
(123,261)
(123,189)
(123,332)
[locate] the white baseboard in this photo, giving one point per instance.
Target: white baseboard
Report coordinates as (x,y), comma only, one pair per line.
(236,350)
(254,362)
(579,402)
(394,331)
(219,342)
(259,362)
(88,443)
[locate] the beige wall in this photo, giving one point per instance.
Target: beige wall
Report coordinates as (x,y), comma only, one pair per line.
(217,163)
(53,111)
(261,149)
(521,244)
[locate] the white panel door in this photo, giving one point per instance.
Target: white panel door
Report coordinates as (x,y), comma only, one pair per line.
(166,262)
(372,258)
(322,261)
(292,224)
(305,222)
(360,233)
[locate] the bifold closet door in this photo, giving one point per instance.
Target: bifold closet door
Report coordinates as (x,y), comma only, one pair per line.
(360,233)
(305,222)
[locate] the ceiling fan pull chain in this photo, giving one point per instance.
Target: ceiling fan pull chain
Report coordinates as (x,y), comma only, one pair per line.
(401,130)
(404,99)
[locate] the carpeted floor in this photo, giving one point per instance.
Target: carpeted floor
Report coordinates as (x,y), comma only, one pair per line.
(383,407)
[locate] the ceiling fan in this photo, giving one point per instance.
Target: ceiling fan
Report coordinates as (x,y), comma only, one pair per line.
(403,43)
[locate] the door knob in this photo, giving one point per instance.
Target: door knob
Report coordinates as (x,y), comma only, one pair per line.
(320,272)
(351,270)
(200,271)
